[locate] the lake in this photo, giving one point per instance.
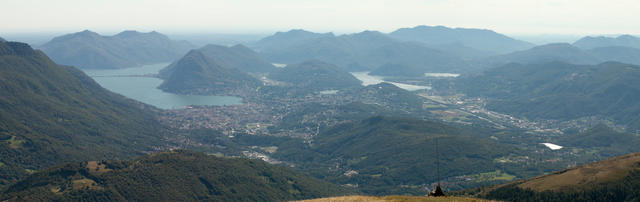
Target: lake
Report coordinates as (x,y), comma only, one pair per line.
(132,83)
(445,75)
(372,80)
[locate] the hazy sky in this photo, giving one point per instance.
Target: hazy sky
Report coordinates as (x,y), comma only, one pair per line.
(243,16)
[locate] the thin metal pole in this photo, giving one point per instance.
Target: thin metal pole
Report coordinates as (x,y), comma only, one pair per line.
(437,162)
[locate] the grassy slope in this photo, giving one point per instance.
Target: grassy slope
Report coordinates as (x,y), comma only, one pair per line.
(601,172)
(616,179)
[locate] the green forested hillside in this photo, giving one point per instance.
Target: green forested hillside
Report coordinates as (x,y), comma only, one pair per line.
(51,114)
(387,96)
(561,91)
(316,75)
(384,155)
(90,50)
(171,176)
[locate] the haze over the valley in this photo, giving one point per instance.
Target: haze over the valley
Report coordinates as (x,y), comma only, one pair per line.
(540,21)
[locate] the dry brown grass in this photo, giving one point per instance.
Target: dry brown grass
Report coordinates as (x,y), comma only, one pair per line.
(96,168)
(609,170)
(85,184)
(394,199)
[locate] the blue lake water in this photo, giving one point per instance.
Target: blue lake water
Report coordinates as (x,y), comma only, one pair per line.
(130,83)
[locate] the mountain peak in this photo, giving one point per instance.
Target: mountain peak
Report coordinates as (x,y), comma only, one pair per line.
(555,45)
(479,39)
(134,33)
(86,32)
(83,34)
(626,37)
(370,33)
(300,33)
(128,33)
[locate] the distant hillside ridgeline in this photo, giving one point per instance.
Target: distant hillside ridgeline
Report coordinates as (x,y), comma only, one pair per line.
(89,50)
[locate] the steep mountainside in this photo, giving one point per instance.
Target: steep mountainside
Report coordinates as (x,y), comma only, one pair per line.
(201,74)
(90,50)
(480,39)
(51,114)
(316,75)
(366,50)
(601,41)
(561,91)
(616,179)
(380,154)
(172,176)
(237,57)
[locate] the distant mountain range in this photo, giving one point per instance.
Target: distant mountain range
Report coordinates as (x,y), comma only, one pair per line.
(561,52)
(615,179)
(89,50)
(214,70)
(560,90)
(52,114)
(427,49)
(287,39)
(564,52)
(355,52)
(316,75)
(170,176)
(478,39)
(601,41)
(2,40)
